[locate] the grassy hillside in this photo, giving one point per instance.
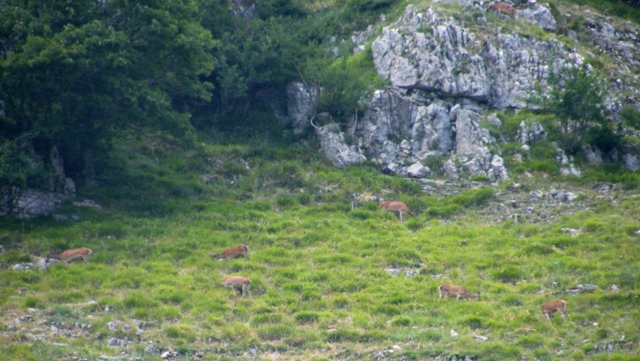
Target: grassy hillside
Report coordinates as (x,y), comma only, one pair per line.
(318,264)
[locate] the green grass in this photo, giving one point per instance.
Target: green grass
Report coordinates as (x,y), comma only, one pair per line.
(320,289)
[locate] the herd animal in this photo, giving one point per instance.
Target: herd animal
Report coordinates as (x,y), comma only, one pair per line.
(395,206)
(502,8)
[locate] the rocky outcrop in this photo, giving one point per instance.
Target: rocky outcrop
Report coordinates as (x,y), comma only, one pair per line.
(300,102)
(333,144)
(427,52)
(444,78)
(30,203)
(539,15)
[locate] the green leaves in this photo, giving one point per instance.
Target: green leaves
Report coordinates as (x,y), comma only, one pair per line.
(77,74)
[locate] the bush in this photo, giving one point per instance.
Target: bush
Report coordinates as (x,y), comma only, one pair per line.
(630,117)
(578,103)
(307,316)
(402,321)
(508,274)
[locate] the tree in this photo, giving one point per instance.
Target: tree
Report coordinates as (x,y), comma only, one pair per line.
(75,74)
(578,103)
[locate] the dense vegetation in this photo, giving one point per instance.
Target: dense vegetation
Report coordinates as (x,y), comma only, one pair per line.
(76,75)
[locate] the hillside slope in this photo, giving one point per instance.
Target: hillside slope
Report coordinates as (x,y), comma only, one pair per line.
(333,277)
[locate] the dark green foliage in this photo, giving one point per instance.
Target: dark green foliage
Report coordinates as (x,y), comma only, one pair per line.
(80,73)
(346,84)
(578,104)
(626,9)
(508,274)
(630,117)
(307,316)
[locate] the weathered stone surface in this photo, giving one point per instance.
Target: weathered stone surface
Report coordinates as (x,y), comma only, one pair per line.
(417,170)
(301,100)
(448,59)
(540,15)
(445,79)
(334,146)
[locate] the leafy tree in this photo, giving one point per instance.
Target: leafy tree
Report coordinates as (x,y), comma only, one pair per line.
(578,103)
(74,74)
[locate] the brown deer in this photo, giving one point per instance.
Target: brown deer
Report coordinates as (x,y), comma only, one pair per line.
(458,292)
(398,207)
(73,254)
(554,306)
(503,8)
(239,283)
(239,251)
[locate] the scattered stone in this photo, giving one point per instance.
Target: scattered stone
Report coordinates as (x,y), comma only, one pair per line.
(25,318)
(565,196)
(169,354)
(57,344)
(411,273)
(393,271)
(118,342)
(109,358)
(151,349)
(60,217)
(579,289)
(482,338)
(614,288)
(572,232)
(89,204)
(453,333)
(397,348)
(254,352)
(113,325)
(417,170)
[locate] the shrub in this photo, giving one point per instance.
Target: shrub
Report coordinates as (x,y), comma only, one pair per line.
(307,316)
(508,274)
(630,117)
(579,106)
(402,321)
(275,332)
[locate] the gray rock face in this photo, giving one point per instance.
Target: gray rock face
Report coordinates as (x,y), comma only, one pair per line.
(301,100)
(446,58)
(540,15)
(334,146)
(445,78)
(29,203)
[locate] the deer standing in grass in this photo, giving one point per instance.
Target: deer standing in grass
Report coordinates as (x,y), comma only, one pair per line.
(458,292)
(239,251)
(398,207)
(73,254)
(238,283)
(554,306)
(503,8)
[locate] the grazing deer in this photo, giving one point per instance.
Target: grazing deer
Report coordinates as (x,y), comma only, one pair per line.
(554,306)
(458,292)
(503,8)
(238,282)
(73,254)
(398,207)
(239,251)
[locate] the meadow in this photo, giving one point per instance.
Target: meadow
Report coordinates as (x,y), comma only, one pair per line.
(320,265)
